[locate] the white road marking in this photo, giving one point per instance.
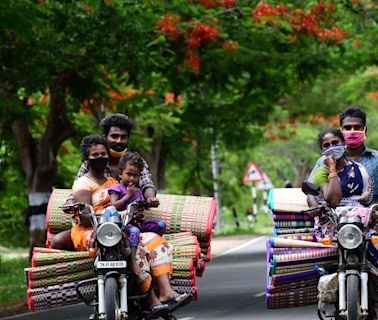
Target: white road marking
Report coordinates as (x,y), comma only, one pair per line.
(260,294)
(241,246)
(186,318)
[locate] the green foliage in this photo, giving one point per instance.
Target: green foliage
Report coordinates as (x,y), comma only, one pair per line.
(12,288)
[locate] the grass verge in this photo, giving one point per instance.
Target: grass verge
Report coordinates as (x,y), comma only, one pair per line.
(12,288)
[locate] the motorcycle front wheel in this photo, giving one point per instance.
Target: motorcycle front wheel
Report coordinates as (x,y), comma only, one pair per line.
(112,302)
(353,295)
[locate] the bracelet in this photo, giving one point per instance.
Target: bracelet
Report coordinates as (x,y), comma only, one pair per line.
(332,175)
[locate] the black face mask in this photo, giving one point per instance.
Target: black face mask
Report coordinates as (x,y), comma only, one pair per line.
(118,147)
(98,164)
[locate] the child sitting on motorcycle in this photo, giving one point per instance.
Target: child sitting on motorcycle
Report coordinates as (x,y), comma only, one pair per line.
(342,182)
(121,195)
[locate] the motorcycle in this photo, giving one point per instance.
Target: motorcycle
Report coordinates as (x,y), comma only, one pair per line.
(116,296)
(349,293)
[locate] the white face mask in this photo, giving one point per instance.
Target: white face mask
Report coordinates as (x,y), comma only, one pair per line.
(336,151)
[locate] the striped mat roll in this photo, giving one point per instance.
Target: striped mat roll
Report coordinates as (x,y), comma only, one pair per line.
(81,275)
(282,243)
(56,298)
(287,200)
(45,250)
(295,298)
(286,287)
(293,224)
(183,274)
(50,289)
(310,237)
(286,231)
(184,282)
(183,263)
(182,240)
(59,269)
(278,216)
(56,219)
(297,276)
(192,251)
(304,255)
(185,213)
(41,258)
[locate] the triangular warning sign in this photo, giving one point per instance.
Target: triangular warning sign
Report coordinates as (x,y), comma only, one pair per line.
(252,174)
(264,184)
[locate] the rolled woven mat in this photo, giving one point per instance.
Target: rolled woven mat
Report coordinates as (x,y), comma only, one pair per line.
(286,278)
(297,298)
(302,237)
(289,200)
(285,231)
(303,255)
(45,250)
(278,216)
(184,282)
(49,289)
(40,258)
(292,269)
(293,224)
(286,287)
(281,243)
(192,251)
(182,238)
(183,263)
(56,219)
(81,275)
(56,298)
(185,213)
(59,269)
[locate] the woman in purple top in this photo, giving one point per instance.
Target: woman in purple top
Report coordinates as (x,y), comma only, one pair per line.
(121,195)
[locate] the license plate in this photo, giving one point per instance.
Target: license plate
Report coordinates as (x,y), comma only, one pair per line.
(111,264)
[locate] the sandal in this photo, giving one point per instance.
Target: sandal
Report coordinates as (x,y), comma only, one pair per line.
(179,301)
(158,310)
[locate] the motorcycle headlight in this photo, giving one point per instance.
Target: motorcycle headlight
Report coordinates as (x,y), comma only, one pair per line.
(109,234)
(350,236)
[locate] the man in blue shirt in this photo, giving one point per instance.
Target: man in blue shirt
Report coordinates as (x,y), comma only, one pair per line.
(353,126)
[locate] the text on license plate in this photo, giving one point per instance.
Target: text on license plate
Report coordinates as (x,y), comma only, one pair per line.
(111,264)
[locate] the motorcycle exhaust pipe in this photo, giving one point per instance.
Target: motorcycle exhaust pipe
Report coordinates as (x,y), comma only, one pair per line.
(364,291)
(123,293)
(342,299)
(101,295)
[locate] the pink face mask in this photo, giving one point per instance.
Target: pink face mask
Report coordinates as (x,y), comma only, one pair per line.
(354,138)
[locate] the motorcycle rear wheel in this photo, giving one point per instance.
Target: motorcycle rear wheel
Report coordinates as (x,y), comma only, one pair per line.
(112,302)
(353,294)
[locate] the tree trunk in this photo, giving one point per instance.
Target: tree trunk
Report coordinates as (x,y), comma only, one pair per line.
(38,156)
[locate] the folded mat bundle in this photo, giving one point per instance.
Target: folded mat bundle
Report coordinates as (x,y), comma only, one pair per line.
(293,253)
(54,274)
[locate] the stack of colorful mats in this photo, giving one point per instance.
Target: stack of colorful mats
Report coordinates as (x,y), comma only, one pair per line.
(293,252)
(54,273)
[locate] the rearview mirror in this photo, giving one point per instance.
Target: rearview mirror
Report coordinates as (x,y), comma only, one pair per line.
(310,188)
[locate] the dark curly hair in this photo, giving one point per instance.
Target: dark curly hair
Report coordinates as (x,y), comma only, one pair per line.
(116,120)
(353,112)
(132,158)
(335,132)
(91,141)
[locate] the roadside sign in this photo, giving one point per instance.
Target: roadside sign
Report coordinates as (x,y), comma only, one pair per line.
(265,184)
(252,174)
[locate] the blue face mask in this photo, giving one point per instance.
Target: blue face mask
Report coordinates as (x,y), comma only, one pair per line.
(336,151)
